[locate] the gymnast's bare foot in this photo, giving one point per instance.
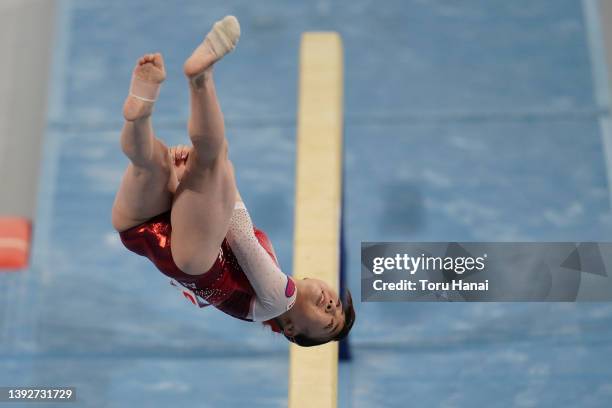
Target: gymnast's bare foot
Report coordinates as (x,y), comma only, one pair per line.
(151,72)
(221,39)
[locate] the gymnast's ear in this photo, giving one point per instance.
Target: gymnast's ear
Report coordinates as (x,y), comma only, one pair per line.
(289,329)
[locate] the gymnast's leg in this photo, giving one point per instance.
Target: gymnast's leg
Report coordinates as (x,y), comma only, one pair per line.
(204,200)
(147,183)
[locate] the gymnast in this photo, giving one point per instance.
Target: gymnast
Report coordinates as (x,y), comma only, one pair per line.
(180,207)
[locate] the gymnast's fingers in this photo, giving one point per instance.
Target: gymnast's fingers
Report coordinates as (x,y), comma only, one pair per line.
(184,152)
(173,153)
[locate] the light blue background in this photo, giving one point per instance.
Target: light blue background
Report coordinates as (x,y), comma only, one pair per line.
(465,120)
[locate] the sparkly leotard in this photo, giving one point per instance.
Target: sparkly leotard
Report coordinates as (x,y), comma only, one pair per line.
(245,280)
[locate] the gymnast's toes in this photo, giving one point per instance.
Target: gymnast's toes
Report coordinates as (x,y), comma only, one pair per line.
(148,74)
(220,40)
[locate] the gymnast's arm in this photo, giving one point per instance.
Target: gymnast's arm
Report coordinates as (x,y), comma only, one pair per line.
(265,276)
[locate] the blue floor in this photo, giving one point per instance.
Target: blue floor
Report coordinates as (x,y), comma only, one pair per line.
(471,120)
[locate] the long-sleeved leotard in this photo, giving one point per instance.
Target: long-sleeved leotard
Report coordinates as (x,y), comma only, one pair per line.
(245,280)
(276,293)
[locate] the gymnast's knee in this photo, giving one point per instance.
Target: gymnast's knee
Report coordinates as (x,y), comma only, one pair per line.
(208,156)
(156,160)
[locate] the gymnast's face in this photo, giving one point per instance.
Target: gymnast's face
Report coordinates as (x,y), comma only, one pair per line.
(317,312)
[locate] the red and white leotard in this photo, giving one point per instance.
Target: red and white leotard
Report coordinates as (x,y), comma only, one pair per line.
(245,280)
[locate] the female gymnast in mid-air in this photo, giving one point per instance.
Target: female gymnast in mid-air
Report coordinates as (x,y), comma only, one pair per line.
(181,208)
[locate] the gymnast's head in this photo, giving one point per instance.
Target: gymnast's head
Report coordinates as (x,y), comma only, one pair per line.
(318,315)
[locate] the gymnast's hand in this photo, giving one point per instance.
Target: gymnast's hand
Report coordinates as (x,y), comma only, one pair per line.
(179,155)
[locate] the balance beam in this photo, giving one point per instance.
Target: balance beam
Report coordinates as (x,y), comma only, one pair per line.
(313,372)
